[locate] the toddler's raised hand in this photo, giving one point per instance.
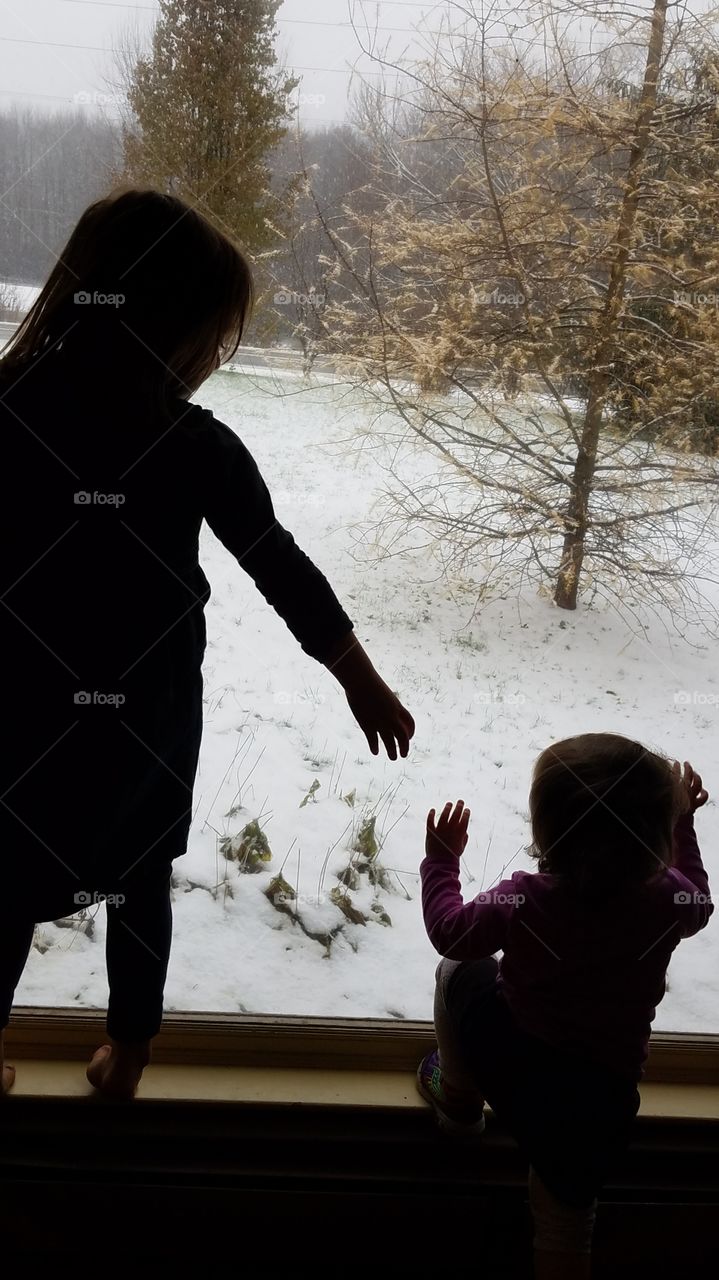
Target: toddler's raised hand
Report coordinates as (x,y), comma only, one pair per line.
(449,833)
(693,794)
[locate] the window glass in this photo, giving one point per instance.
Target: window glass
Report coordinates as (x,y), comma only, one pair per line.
(480,383)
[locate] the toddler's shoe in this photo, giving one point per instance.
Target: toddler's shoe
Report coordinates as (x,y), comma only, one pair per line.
(459,1114)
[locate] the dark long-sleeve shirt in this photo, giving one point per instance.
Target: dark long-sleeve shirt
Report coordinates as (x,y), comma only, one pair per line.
(102,513)
(587,980)
(103,598)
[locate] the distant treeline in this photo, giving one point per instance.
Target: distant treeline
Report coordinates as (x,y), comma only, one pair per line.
(51,167)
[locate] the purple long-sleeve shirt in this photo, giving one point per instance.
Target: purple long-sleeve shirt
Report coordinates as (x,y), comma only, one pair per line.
(587,979)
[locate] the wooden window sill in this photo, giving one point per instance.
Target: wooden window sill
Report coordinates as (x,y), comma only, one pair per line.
(345,1063)
(344,1088)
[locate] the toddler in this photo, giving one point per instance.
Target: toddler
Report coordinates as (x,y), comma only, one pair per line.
(554,1034)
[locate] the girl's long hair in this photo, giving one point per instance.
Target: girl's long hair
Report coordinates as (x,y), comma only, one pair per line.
(147,291)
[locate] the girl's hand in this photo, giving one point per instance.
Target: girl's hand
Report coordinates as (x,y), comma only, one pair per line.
(380,714)
(377,710)
(692,795)
(449,834)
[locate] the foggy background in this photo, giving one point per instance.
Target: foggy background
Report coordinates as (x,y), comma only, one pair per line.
(61,51)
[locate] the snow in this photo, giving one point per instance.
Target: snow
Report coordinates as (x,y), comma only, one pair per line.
(488,692)
(23,295)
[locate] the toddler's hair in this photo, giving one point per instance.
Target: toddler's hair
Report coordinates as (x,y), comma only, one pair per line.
(602,809)
(147,290)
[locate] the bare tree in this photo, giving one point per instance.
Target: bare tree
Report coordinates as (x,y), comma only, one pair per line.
(327,169)
(523,209)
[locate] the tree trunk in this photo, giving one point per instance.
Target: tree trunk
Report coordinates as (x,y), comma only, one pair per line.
(576,519)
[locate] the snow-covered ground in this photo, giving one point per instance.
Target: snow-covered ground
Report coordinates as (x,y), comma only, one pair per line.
(21,296)
(488,692)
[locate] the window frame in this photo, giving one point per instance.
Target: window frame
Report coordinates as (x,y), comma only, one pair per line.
(215,1039)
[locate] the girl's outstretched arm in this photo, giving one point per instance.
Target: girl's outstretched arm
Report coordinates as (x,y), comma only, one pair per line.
(238,508)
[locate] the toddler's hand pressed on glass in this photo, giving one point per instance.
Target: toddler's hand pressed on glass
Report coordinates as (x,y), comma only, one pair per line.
(448,833)
(693,794)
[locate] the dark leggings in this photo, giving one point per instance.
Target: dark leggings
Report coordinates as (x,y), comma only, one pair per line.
(572,1117)
(139,935)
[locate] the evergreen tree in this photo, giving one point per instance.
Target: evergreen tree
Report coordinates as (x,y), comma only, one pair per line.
(209,103)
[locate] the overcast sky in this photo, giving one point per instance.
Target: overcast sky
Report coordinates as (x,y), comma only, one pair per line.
(39,65)
(43,61)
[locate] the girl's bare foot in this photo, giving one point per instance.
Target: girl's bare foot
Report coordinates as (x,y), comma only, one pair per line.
(116,1069)
(7,1079)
